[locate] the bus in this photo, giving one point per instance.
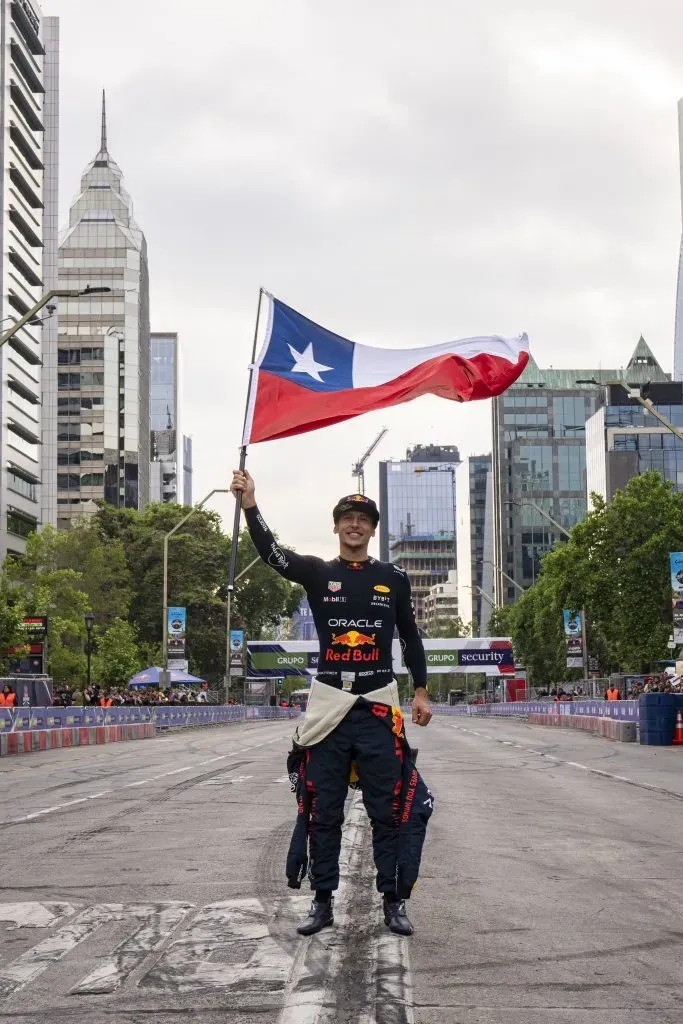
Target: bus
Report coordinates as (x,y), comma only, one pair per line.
(299,698)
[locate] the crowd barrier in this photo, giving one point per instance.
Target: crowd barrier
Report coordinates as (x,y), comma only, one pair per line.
(28,729)
(625,710)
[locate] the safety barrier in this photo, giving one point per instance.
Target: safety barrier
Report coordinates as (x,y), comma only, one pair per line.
(23,730)
(610,728)
(624,710)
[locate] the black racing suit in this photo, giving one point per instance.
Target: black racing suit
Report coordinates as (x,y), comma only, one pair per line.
(356,607)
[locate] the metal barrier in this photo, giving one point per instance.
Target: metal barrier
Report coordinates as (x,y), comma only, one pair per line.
(624,710)
(170,716)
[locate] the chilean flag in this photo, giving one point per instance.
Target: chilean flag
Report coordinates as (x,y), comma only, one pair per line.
(306,377)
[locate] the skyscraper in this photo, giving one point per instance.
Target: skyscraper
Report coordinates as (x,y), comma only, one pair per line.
(28,117)
(171,452)
(623,440)
(539,458)
(678,330)
(474,502)
(417,517)
(102,379)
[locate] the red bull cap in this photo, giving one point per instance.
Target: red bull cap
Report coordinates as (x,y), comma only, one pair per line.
(356,503)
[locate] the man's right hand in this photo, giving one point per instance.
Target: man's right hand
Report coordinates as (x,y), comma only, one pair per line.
(243,485)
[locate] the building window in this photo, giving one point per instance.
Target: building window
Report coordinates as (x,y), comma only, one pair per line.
(24,487)
(19,526)
(68,481)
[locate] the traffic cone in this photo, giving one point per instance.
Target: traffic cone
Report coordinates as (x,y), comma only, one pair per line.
(678,735)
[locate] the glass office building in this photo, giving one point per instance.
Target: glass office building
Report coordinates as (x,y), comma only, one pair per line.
(418,517)
(539,459)
(474,503)
(622,440)
(102,379)
(171,452)
(29,68)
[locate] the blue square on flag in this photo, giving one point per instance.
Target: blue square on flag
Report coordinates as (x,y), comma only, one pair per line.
(307,354)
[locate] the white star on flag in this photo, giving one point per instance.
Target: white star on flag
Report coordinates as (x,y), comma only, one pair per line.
(304,362)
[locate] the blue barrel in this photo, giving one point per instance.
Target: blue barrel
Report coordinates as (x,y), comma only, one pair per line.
(657,718)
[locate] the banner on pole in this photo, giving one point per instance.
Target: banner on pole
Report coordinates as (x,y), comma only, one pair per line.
(676,562)
(573,638)
(177,625)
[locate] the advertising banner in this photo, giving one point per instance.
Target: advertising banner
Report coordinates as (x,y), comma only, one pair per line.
(177,624)
(491,655)
(573,638)
(284,658)
(236,646)
(676,561)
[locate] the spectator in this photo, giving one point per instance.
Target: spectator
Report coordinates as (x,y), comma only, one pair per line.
(8,697)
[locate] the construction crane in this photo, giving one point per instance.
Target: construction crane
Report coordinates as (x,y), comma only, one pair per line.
(358,470)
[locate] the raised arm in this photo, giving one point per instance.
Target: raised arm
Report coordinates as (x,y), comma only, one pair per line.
(297,568)
(413,651)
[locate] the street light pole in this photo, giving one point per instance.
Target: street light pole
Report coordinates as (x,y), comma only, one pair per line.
(89,620)
(228,651)
(502,573)
(55,293)
(216,490)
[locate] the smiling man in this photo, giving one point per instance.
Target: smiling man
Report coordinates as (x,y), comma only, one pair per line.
(353,712)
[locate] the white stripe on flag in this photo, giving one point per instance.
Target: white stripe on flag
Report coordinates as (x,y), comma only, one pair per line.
(374,366)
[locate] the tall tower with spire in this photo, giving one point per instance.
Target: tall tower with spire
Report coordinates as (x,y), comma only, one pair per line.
(102,378)
(678,330)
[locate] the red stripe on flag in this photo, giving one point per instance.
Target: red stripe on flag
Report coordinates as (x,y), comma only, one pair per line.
(282,409)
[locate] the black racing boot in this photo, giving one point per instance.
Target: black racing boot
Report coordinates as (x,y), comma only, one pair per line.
(319,916)
(395,916)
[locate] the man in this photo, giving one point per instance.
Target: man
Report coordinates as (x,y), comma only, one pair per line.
(352,714)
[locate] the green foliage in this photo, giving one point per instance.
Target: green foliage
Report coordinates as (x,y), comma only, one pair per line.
(616,566)
(118,655)
(452,627)
(112,565)
(11,614)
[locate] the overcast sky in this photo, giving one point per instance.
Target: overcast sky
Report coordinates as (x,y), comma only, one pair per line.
(405,173)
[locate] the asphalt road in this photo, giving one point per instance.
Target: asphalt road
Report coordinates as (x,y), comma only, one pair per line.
(144,882)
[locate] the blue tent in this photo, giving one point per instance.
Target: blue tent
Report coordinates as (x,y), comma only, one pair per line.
(151,676)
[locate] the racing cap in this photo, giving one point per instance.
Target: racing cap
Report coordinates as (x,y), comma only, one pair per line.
(356,503)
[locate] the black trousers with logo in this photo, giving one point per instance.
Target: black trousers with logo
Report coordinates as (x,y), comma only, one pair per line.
(371,735)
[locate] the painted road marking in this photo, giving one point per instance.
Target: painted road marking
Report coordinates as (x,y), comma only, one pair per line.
(582,767)
(35,915)
(229,929)
(319,958)
(128,785)
(222,780)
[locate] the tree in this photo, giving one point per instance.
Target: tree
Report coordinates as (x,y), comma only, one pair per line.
(616,566)
(198,561)
(452,627)
(118,657)
(11,615)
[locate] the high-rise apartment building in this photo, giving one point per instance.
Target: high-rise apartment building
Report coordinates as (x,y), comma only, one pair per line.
(474,502)
(29,64)
(539,459)
(678,329)
(102,378)
(417,517)
(623,441)
(171,452)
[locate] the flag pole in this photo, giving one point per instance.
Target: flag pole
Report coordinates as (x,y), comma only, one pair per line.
(243,454)
(238,503)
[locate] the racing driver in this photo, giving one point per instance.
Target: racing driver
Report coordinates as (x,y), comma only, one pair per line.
(353,714)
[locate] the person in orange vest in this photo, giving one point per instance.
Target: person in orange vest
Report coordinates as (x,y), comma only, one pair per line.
(8,697)
(105,702)
(613,693)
